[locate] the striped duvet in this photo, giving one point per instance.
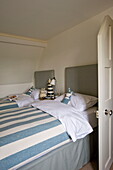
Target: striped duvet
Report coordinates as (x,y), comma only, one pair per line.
(27,134)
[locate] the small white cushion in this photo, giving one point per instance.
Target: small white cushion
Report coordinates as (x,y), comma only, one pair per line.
(35,94)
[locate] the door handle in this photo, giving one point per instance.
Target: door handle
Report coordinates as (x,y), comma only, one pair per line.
(108,112)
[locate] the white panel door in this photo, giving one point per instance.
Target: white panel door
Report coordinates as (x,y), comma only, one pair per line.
(105,78)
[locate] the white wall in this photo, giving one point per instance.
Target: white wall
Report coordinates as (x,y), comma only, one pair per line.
(76,46)
(20,58)
(18,61)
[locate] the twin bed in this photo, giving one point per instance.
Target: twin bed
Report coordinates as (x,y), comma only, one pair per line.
(32,138)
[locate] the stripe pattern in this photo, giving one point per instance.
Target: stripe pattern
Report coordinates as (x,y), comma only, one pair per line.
(26,134)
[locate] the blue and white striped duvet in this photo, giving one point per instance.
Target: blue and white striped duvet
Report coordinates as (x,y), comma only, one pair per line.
(27,134)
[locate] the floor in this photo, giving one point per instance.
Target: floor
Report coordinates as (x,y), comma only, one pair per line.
(111,167)
(92,166)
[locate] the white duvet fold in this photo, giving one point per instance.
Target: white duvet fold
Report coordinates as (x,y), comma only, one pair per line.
(73,121)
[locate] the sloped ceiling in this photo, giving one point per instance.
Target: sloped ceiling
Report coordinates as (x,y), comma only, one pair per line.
(43,19)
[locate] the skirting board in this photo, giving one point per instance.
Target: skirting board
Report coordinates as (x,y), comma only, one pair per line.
(11,89)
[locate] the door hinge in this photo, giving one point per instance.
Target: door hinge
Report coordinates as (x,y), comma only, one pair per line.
(97,114)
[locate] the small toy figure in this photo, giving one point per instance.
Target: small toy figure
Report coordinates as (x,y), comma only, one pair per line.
(43,93)
(50,91)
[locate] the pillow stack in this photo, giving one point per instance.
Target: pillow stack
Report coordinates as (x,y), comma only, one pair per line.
(80,102)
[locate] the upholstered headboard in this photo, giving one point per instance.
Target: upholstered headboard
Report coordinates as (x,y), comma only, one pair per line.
(82,79)
(41,78)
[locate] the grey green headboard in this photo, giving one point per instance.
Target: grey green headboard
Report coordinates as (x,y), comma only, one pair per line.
(41,78)
(82,79)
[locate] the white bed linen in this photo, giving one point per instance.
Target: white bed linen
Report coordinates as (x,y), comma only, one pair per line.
(90,115)
(74,122)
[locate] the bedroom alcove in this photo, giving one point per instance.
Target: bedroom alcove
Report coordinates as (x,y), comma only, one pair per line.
(80,76)
(68,152)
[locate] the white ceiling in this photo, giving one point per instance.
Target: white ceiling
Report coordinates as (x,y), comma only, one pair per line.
(43,19)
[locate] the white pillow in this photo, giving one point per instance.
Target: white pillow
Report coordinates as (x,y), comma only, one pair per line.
(82,102)
(35,94)
(25,101)
(60,98)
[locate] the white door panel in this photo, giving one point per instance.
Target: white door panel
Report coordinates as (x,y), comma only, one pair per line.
(105,75)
